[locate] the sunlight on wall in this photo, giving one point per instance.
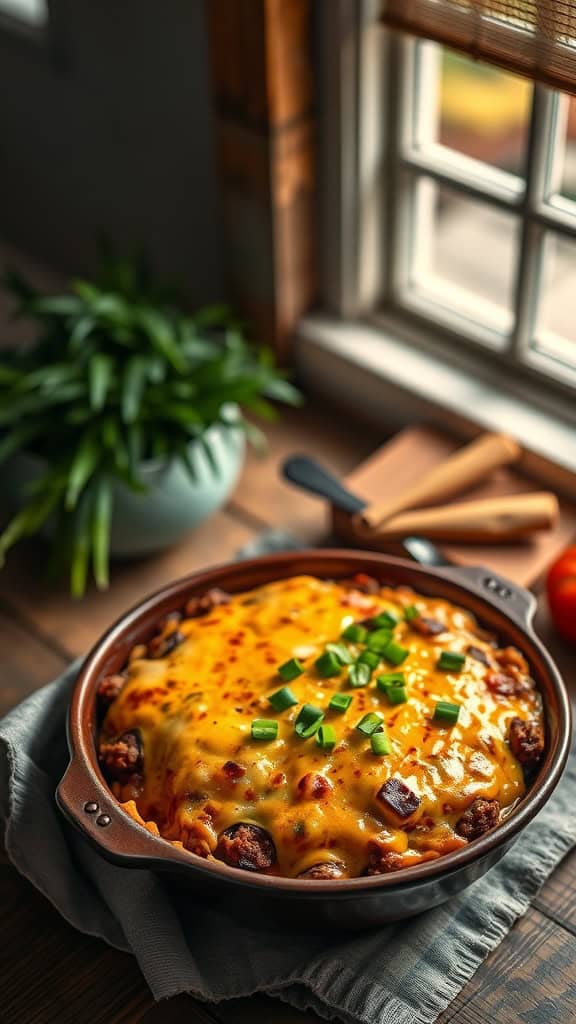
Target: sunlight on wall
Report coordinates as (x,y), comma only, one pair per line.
(33,12)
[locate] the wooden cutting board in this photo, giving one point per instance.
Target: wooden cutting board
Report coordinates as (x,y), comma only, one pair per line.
(414,451)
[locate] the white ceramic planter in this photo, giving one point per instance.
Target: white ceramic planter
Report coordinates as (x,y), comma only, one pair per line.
(173,504)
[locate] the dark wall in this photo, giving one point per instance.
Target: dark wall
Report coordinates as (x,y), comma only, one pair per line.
(118,139)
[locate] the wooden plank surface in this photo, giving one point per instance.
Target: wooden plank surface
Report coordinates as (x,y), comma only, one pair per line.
(27,662)
(74,625)
(529,977)
(49,972)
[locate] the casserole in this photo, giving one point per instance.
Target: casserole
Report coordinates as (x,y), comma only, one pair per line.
(352,902)
(320,728)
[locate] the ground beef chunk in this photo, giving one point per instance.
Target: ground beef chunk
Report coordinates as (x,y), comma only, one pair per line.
(526,741)
(108,690)
(478,818)
(233,770)
(366,584)
(122,757)
(506,684)
(328,869)
(428,626)
(478,654)
(314,786)
(381,862)
(246,846)
(160,646)
(510,657)
(203,604)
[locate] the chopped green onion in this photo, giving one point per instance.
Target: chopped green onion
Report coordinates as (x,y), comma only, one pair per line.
(445,712)
(397,694)
(395,653)
(386,620)
(451,661)
(308,721)
(264,729)
(359,674)
(340,702)
(392,684)
(388,679)
(380,744)
(328,664)
(369,658)
(379,640)
(290,670)
(326,737)
(411,613)
(357,634)
(282,699)
(340,651)
(370,723)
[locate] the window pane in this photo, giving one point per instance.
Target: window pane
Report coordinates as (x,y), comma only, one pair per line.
(33,12)
(567,175)
(480,111)
(556,324)
(464,254)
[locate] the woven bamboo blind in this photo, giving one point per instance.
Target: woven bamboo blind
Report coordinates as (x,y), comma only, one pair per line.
(535,38)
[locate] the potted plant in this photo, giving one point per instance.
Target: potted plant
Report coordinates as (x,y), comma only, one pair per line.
(123,426)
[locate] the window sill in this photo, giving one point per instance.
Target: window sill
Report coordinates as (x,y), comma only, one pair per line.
(394,383)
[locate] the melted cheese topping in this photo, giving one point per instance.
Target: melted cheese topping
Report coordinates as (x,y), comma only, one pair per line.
(195,706)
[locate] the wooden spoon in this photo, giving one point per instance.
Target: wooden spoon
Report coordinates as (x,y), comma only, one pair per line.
(467,466)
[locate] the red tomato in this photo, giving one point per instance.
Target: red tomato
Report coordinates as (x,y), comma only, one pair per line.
(561,590)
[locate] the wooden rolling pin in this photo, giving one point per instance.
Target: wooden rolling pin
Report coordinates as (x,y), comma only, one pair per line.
(489,520)
(467,466)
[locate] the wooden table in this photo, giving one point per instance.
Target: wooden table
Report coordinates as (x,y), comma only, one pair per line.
(51,973)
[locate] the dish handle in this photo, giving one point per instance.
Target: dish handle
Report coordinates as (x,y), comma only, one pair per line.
(97,815)
(513,600)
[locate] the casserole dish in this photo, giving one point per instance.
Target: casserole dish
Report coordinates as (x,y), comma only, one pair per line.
(86,800)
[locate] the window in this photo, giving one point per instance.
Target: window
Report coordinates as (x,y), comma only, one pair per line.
(483,180)
(455,182)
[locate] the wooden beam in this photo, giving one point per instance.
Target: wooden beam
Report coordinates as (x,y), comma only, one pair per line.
(266,149)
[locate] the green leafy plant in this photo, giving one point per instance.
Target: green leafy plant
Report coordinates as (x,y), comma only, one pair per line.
(118,375)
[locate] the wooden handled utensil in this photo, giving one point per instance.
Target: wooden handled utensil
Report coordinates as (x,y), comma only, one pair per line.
(467,466)
(492,520)
(483,521)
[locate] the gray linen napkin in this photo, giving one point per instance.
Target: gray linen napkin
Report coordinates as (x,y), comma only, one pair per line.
(405,973)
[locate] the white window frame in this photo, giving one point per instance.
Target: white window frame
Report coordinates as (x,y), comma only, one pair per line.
(536,205)
(369,311)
